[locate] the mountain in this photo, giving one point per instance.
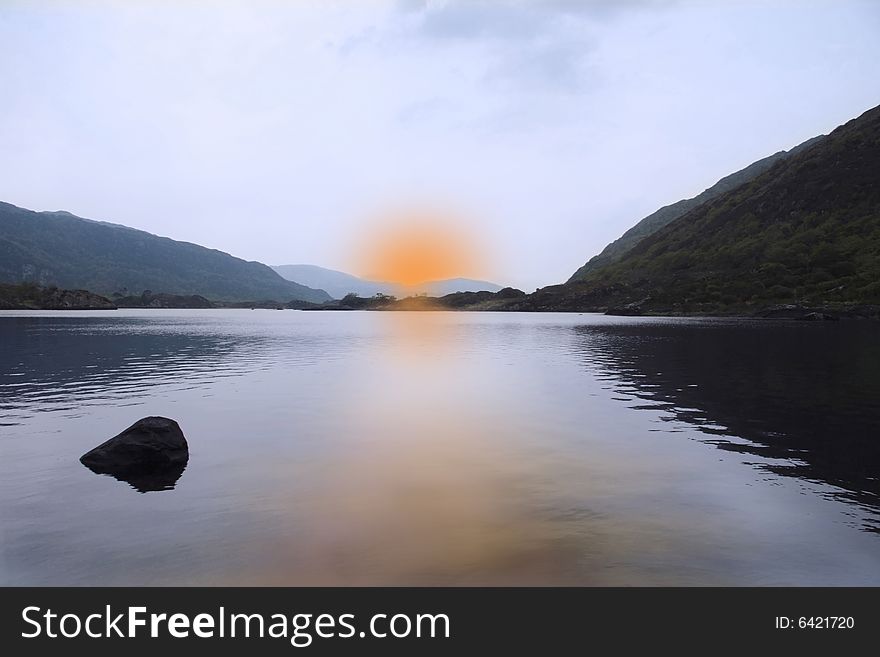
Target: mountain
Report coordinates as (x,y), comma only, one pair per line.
(336,283)
(339,284)
(59,248)
(669,213)
(804,232)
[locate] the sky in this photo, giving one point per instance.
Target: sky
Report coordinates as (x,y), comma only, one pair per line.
(279,131)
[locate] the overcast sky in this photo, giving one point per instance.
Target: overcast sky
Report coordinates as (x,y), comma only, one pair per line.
(273,130)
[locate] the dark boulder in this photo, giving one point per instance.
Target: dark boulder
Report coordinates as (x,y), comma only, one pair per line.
(150,455)
(634,309)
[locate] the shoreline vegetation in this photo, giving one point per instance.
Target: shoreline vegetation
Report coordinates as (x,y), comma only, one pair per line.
(29,296)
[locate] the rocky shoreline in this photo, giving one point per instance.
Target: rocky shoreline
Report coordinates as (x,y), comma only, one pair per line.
(510,300)
(32,297)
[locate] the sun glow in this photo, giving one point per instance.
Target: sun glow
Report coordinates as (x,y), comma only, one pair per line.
(415,246)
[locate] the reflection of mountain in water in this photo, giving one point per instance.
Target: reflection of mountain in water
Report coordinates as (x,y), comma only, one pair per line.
(806,393)
(67,365)
(54,366)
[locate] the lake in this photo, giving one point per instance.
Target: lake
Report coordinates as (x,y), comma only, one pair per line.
(357,448)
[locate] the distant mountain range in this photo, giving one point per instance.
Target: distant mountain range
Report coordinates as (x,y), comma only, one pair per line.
(338,284)
(804,230)
(59,248)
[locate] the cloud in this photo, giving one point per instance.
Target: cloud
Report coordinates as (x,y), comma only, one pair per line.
(525,47)
(480,20)
(514,20)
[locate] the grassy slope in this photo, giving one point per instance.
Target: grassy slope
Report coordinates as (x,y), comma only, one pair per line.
(669,213)
(807,230)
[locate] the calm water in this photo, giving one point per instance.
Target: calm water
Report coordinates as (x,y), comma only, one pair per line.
(444,448)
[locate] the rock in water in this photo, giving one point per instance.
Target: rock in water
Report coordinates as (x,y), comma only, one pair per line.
(150,455)
(149,442)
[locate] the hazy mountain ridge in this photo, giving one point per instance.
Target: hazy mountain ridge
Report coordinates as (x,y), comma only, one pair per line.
(669,213)
(59,248)
(449,286)
(336,283)
(339,284)
(806,231)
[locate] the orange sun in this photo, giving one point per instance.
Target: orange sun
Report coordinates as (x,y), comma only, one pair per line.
(412,247)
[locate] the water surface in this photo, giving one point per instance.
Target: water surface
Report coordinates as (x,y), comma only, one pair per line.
(444,448)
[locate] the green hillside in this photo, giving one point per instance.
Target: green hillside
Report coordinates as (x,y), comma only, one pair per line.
(58,248)
(806,231)
(669,213)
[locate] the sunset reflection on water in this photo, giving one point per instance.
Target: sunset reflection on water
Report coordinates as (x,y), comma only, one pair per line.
(427,492)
